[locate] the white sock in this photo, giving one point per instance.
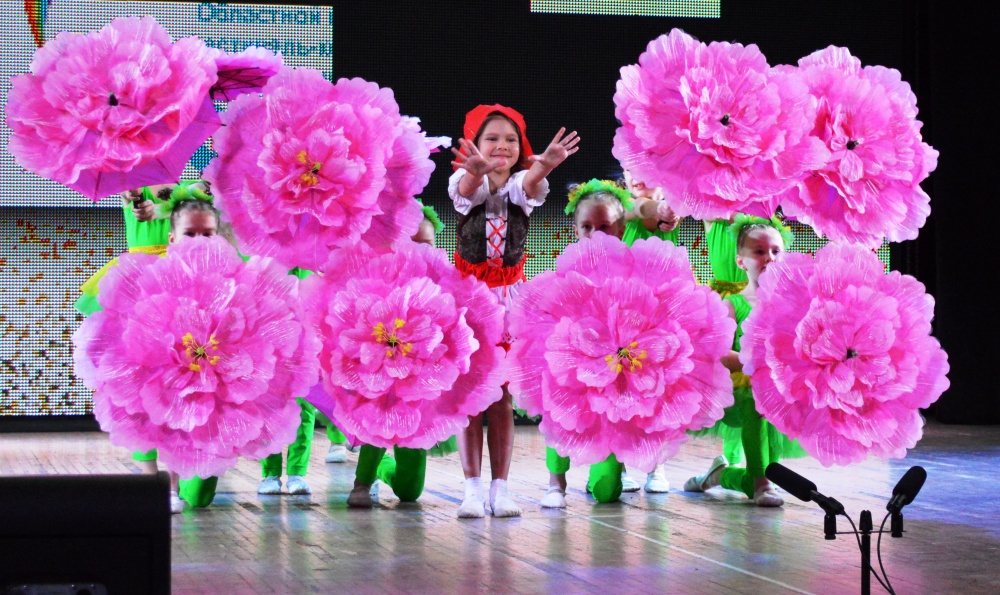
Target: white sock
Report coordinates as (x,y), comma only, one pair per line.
(500,501)
(472,506)
(473,487)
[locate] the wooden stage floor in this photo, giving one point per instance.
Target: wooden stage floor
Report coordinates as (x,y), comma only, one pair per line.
(716,542)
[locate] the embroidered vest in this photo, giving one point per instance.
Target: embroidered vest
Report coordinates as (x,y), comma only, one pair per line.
(472,235)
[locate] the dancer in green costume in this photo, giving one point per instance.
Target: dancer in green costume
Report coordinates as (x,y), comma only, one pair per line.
(596,206)
(405,473)
(650,217)
(727,279)
(759,243)
(150,225)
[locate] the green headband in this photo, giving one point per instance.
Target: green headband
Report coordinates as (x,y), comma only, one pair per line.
(431,215)
(741,220)
(185,191)
(595,186)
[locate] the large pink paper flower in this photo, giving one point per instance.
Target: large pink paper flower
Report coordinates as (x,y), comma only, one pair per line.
(409,344)
(840,354)
(302,169)
(619,350)
(868,189)
(199,355)
(713,126)
(244,72)
(113,109)
(407,173)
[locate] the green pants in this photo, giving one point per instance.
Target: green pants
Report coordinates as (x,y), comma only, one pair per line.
(298,451)
(604,481)
(198,492)
(757,448)
(332,432)
(149,455)
(404,474)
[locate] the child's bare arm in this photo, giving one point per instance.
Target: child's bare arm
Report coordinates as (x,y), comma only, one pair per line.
(558,150)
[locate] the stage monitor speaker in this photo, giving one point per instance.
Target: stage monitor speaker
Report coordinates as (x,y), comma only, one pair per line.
(84,534)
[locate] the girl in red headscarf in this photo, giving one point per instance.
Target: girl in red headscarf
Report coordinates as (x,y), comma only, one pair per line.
(496,184)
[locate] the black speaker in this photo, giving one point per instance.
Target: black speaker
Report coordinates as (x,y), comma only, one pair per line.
(84,534)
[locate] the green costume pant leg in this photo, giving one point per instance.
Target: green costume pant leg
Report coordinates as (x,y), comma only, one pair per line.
(298,451)
(149,455)
(369,459)
(756,448)
(332,432)
(405,475)
(733,450)
(605,481)
(554,463)
(198,492)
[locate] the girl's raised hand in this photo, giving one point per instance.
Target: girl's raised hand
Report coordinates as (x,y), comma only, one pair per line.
(558,150)
(472,161)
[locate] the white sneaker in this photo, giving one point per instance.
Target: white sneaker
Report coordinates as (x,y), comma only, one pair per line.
(176,504)
(270,485)
(297,485)
(555,497)
(360,497)
(656,483)
(500,501)
(336,454)
(629,484)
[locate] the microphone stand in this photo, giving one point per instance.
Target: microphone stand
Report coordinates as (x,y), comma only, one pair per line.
(864,530)
(865,526)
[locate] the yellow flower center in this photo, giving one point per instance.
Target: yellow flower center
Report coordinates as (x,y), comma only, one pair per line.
(309,178)
(199,353)
(630,356)
(389,338)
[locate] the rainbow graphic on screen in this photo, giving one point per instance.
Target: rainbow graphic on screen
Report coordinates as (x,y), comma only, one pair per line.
(37,11)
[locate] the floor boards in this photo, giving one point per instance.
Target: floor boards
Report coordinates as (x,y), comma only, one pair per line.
(716,542)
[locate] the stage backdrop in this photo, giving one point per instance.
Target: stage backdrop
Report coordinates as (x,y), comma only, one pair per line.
(556,62)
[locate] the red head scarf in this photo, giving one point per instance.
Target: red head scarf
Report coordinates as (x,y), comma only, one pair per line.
(475,118)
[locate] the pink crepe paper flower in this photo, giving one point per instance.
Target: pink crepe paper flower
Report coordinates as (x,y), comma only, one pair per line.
(302,169)
(244,72)
(407,173)
(199,355)
(840,354)
(114,109)
(868,189)
(619,350)
(713,126)
(409,344)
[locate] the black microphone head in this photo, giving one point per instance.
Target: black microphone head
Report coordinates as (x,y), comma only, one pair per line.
(790,481)
(907,487)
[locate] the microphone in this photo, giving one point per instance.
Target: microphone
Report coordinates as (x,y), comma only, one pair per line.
(906,489)
(802,488)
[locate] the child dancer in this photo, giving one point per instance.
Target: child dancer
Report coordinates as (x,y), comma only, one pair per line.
(404,473)
(496,185)
(596,206)
(759,243)
(649,217)
(149,229)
